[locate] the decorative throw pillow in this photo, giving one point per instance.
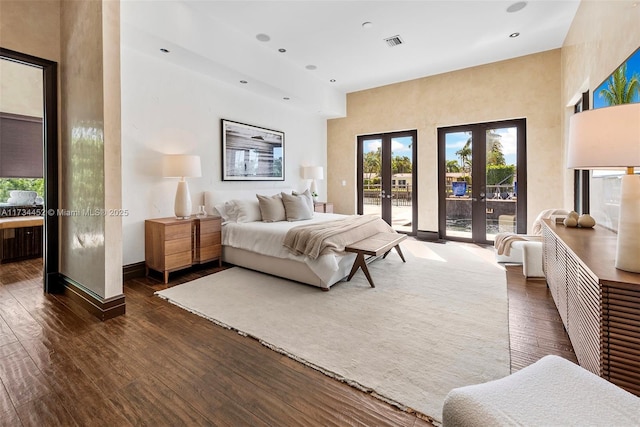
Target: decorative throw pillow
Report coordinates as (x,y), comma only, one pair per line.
(306,193)
(296,207)
(247,210)
(271,208)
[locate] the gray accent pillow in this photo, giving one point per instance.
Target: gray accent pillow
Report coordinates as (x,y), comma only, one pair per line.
(306,194)
(271,208)
(296,207)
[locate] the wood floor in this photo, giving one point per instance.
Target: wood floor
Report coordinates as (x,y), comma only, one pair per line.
(160,365)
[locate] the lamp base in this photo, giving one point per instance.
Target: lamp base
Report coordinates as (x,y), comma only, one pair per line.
(182,207)
(628,246)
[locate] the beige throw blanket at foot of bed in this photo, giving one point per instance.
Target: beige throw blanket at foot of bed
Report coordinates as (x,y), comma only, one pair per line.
(319,239)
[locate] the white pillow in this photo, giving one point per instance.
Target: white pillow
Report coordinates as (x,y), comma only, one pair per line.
(296,207)
(307,195)
(271,208)
(247,210)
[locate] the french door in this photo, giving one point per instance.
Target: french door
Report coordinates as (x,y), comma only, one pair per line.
(387,178)
(482,180)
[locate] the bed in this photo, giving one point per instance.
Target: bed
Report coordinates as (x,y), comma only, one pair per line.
(258,245)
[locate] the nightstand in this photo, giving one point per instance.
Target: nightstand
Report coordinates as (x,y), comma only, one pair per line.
(172,244)
(323,207)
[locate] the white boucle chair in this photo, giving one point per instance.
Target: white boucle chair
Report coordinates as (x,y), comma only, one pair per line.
(525,249)
(550,392)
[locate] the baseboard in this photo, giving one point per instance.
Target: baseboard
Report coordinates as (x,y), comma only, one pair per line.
(103,309)
(430,236)
(133,271)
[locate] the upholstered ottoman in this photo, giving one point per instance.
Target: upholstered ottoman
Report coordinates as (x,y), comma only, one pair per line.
(550,392)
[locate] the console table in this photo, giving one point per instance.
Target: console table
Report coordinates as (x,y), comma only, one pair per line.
(599,304)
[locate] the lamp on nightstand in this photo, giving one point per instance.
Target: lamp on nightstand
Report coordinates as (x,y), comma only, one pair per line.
(181,166)
(610,138)
(313,173)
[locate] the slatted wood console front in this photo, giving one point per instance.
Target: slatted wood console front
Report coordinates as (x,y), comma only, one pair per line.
(599,304)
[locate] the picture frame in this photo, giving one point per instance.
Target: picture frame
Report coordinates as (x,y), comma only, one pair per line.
(251,153)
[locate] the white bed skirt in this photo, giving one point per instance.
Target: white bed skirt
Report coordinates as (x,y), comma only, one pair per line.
(287,268)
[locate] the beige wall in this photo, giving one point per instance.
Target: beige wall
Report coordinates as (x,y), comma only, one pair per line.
(21,89)
(31,26)
(526,87)
(603,35)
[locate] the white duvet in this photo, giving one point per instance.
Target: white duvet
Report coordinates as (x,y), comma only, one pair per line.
(266,238)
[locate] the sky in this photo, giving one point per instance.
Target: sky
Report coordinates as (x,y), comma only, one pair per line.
(633,66)
(455,141)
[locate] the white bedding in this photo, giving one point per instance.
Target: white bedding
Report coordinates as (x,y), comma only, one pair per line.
(267,237)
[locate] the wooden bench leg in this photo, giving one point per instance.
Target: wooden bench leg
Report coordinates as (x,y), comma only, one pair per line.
(397,250)
(360,262)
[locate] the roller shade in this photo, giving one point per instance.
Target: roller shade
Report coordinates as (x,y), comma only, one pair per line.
(21,146)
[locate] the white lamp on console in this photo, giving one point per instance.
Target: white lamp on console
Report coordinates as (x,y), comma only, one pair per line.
(610,138)
(182,166)
(313,173)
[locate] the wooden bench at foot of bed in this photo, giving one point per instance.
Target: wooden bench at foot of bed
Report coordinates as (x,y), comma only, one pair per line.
(374,246)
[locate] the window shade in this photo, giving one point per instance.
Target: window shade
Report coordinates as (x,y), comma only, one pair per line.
(21,146)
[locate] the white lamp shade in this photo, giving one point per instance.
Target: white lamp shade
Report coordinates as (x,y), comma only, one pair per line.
(313,172)
(605,137)
(181,165)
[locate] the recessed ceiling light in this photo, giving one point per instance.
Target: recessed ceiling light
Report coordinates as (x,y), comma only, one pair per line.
(516,6)
(514,35)
(332,80)
(311,67)
(263,37)
(367,24)
(163,50)
(281,50)
(244,82)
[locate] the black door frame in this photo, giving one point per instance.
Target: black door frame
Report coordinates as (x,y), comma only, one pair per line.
(50,167)
(386,173)
(478,192)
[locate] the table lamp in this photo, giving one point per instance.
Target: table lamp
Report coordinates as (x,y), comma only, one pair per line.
(181,166)
(610,138)
(313,173)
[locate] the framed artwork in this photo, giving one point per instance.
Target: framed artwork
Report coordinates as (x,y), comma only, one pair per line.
(251,153)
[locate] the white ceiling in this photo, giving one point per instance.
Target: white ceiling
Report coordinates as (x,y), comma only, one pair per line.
(218,38)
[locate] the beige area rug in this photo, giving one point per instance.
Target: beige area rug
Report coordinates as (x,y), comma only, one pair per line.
(437,322)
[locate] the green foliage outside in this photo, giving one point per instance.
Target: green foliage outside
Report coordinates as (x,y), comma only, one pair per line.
(28,184)
(372,163)
(620,90)
(500,174)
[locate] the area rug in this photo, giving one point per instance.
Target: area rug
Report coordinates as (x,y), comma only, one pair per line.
(436,322)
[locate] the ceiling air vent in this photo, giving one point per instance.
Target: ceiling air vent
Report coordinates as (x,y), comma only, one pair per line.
(393,41)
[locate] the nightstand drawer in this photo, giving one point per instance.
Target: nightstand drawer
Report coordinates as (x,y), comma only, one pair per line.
(178,260)
(210,239)
(177,245)
(209,253)
(210,226)
(177,231)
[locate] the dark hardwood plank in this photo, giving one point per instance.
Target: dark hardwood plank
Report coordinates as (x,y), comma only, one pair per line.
(161,365)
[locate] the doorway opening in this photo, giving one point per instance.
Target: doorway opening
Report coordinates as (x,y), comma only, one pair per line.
(387,178)
(49,147)
(482,180)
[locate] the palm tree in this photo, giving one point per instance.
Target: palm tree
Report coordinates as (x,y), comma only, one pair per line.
(465,156)
(494,149)
(452,166)
(620,90)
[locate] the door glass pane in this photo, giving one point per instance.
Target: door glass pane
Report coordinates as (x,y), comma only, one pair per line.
(401,183)
(458,148)
(372,176)
(501,184)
